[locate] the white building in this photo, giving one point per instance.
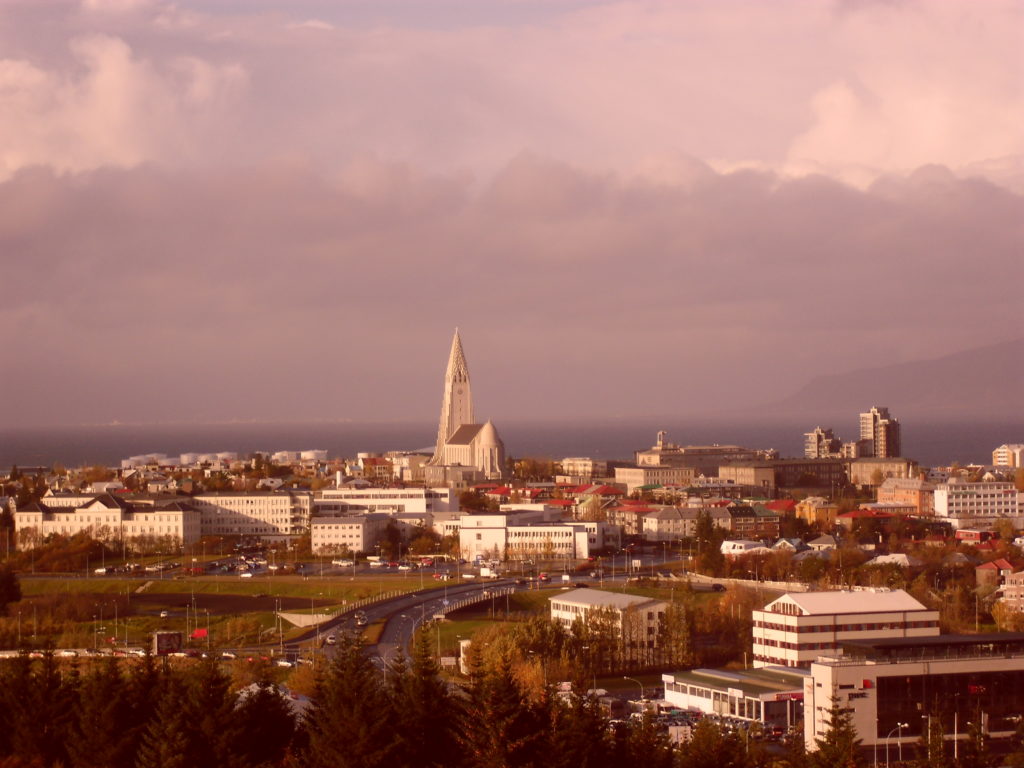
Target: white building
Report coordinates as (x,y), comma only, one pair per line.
(426,501)
(463,444)
(532,534)
(1008,455)
(108,518)
(770,696)
(893,689)
(971,505)
(793,630)
(274,513)
(354,533)
(637,618)
(584,467)
(636,477)
(670,524)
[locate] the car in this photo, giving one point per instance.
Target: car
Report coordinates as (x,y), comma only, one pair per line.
(342,563)
(581,585)
(405,567)
(331,640)
(245,575)
(164,614)
(228,655)
(283,663)
(718,587)
(67,652)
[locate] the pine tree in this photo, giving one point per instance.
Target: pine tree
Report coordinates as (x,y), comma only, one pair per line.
(931,749)
(165,742)
(350,723)
(710,748)
(267,726)
(579,734)
(10,588)
(500,728)
(209,709)
(425,712)
(648,745)
(100,738)
(839,747)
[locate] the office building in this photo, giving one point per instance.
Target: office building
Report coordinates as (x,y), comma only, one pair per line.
(793,630)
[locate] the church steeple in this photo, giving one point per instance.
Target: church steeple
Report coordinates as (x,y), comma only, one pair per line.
(457,401)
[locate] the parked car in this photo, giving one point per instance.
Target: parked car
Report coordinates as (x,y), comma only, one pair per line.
(331,640)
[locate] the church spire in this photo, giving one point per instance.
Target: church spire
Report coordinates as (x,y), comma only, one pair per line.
(457,401)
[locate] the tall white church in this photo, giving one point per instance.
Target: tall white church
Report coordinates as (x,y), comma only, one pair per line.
(466,452)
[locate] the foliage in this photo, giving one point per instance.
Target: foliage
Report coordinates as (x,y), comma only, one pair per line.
(10,588)
(839,746)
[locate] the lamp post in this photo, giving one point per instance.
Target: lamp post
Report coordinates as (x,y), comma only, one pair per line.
(899,727)
(641,688)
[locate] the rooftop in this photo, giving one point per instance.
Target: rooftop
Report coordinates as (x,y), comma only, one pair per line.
(843,601)
(596,598)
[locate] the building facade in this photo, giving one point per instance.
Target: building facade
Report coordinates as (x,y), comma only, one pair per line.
(882,432)
(972,505)
(793,630)
(1008,455)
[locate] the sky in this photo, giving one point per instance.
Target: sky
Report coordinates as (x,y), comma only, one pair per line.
(280,210)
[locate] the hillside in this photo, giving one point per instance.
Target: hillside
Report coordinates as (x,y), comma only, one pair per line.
(981,383)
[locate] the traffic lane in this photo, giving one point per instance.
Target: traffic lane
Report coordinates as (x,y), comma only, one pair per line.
(388,608)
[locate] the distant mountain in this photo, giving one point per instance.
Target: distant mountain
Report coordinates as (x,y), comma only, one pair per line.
(981,383)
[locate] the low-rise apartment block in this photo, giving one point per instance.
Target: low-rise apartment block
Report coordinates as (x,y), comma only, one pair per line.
(976,505)
(353,533)
(638,619)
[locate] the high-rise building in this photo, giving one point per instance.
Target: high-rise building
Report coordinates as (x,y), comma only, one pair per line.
(882,432)
(1008,455)
(821,444)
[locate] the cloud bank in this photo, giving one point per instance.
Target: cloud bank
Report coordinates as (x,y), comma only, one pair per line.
(209,212)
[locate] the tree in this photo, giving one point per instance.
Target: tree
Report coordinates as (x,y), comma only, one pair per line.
(710,748)
(350,722)
(503,730)
(267,725)
(839,746)
(10,588)
(931,749)
(425,711)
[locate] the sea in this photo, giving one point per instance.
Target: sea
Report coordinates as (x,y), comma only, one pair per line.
(931,443)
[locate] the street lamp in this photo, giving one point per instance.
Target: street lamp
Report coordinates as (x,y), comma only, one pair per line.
(899,727)
(641,688)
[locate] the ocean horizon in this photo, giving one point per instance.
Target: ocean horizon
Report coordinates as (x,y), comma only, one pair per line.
(933,443)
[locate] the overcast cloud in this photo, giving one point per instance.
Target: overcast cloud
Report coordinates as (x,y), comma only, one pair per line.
(281,210)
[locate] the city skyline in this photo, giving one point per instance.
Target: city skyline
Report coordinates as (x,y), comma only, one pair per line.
(278,211)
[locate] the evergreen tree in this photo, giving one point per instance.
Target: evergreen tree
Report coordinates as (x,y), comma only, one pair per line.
(101,739)
(209,708)
(710,748)
(267,726)
(839,747)
(165,742)
(43,712)
(975,752)
(579,735)
(10,588)
(350,724)
(500,729)
(931,749)
(647,745)
(425,712)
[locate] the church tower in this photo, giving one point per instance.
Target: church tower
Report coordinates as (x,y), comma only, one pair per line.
(457,401)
